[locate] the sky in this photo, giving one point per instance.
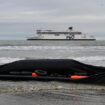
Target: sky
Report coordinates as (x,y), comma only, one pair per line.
(20,19)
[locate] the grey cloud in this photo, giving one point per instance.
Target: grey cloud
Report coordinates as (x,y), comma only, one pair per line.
(61,6)
(27,17)
(18,16)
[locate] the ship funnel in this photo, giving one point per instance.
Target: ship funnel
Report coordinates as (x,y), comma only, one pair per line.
(70,28)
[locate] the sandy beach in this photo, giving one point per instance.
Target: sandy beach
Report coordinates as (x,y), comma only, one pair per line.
(50,93)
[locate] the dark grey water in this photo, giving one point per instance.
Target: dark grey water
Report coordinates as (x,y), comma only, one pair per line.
(51,43)
(89,52)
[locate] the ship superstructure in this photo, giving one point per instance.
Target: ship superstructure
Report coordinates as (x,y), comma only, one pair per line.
(61,35)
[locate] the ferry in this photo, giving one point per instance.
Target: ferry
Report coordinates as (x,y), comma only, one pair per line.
(61,35)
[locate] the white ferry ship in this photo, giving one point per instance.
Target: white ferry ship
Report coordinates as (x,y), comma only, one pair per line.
(61,35)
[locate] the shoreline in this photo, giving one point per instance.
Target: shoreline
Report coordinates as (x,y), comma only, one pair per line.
(50,93)
(35,86)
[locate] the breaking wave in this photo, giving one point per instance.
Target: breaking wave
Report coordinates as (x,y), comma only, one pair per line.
(51,47)
(4,60)
(91,58)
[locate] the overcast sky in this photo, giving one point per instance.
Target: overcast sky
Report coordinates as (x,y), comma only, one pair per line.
(20,18)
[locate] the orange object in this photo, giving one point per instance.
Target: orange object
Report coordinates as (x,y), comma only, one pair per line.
(34,75)
(78,77)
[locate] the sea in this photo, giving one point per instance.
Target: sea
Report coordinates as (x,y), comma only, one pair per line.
(89,52)
(52,92)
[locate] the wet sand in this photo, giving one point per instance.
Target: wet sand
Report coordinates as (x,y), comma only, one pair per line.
(50,93)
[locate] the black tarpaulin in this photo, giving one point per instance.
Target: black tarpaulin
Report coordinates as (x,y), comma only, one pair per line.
(52,69)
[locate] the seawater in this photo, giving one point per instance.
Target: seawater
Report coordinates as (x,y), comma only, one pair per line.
(90,52)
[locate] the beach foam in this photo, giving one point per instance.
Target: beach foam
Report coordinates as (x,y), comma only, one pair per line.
(52,47)
(4,60)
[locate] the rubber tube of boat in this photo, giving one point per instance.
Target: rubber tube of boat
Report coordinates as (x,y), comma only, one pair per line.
(77,77)
(34,75)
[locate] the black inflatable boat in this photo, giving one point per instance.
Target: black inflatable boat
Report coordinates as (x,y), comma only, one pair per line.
(52,69)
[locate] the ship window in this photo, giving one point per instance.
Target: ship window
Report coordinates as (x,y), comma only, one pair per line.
(56,34)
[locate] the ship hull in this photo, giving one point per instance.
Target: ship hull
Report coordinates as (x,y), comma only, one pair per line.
(65,39)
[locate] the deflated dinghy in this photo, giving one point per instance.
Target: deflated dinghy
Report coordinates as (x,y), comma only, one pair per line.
(53,69)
